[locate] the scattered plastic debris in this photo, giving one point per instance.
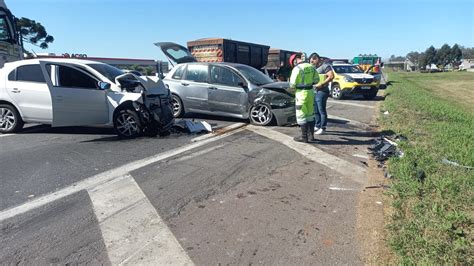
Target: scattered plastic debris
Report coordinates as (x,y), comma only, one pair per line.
(192,127)
(378,186)
(453,163)
(379,202)
(384,148)
(386,174)
(386,113)
(420,175)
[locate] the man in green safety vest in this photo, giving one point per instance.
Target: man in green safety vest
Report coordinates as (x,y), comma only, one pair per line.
(303,77)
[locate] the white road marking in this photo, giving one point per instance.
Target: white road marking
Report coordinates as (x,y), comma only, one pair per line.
(346,169)
(219,131)
(104,177)
(351,104)
(341,189)
(198,153)
(6,135)
(133,232)
(362,156)
(353,122)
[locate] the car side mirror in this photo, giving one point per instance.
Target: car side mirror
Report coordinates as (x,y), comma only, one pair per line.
(103,85)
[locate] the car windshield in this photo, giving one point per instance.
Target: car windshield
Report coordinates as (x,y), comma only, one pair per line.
(347,69)
(254,76)
(107,71)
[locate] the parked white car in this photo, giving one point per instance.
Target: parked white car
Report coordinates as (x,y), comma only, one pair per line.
(73,92)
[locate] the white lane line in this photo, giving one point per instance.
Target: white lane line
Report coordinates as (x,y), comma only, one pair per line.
(6,135)
(362,156)
(219,131)
(199,153)
(353,122)
(346,169)
(341,189)
(351,104)
(105,177)
(133,231)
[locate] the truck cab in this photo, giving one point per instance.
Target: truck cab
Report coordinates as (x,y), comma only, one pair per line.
(10,41)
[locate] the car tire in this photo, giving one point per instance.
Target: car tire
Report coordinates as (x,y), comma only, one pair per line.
(10,119)
(177,106)
(127,124)
(371,95)
(336,92)
(261,115)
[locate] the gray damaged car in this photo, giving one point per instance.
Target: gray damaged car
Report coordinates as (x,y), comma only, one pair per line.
(226,89)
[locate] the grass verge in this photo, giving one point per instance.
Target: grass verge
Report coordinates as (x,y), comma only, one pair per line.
(432,218)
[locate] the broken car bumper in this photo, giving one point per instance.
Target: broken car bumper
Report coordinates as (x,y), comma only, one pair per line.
(285,116)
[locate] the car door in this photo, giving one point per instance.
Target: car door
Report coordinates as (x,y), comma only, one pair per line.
(194,87)
(226,91)
(76,98)
(27,87)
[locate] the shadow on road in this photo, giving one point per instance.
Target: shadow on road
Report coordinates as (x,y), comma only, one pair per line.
(42,129)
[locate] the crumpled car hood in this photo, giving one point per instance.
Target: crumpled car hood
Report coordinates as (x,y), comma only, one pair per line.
(281,87)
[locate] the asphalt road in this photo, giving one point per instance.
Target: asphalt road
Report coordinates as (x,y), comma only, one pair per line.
(245,196)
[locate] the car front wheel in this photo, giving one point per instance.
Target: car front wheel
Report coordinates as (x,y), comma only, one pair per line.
(127,124)
(177,105)
(261,115)
(336,92)
(10,119)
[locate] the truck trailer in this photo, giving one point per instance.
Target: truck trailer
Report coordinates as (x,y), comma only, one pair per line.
(278,66)
(10,41)
(232,51)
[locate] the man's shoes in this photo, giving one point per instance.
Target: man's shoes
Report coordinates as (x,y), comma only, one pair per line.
(304,134)
(320,131)
(311,126)
(300,139)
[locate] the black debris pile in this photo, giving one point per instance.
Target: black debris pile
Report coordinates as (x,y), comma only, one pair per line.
(386,147)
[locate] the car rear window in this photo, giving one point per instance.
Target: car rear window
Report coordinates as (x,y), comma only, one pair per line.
(30,73)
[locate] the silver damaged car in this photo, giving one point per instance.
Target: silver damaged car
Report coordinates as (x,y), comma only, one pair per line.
(225,89)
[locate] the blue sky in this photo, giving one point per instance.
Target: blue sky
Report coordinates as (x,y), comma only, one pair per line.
(338,29)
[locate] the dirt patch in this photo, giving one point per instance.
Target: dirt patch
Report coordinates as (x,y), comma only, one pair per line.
(373,212)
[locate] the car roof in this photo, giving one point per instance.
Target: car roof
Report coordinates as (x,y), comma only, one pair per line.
(217,63)
(55,60)
(343,64)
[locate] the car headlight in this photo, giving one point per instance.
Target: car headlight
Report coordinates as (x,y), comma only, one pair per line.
(348,79)
(281,102)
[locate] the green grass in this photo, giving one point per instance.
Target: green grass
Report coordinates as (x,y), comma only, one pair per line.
(432,220)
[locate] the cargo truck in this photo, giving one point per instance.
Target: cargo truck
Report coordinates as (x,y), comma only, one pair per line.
(278,64)
(231,51)
(10,41)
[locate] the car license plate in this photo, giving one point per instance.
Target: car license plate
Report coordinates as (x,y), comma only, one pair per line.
(365,87)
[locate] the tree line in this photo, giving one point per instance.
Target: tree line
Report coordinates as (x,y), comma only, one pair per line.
(446,55)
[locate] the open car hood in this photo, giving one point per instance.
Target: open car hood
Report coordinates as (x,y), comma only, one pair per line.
(176,53)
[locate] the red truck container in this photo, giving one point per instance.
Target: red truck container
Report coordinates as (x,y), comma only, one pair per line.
(278,63)
(224,50)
